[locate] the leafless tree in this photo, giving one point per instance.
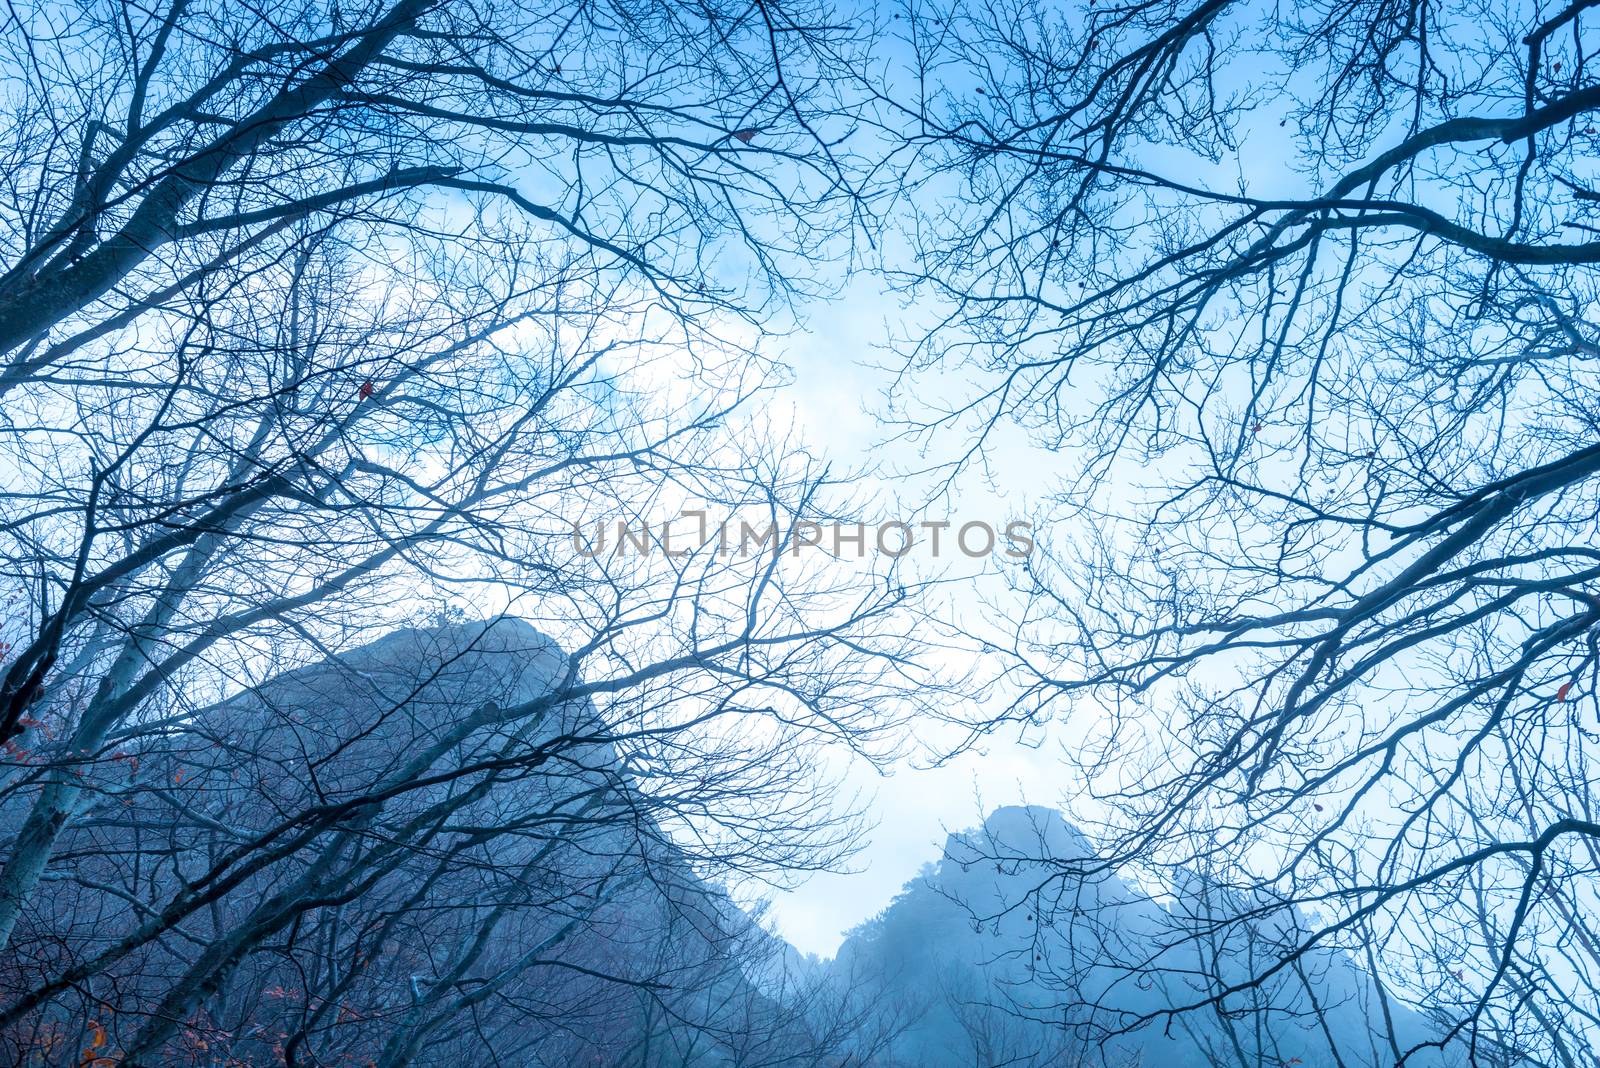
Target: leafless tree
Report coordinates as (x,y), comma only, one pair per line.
(324,321)
(1305,292)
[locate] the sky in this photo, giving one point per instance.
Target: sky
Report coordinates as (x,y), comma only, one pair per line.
(838,359)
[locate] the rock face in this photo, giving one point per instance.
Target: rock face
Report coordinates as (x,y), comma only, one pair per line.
(402,855)
(1018,950)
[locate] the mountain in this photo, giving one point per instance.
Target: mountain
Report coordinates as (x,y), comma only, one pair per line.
(1004,956)
(406,854)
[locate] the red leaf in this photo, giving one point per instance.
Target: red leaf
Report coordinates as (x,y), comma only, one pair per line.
(1256,429)
(366,389)
(1561,694)
(745,136)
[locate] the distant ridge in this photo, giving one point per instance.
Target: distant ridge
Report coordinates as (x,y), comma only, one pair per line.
(1010,958)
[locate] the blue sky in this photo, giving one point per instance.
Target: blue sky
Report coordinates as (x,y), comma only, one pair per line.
(839,361)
